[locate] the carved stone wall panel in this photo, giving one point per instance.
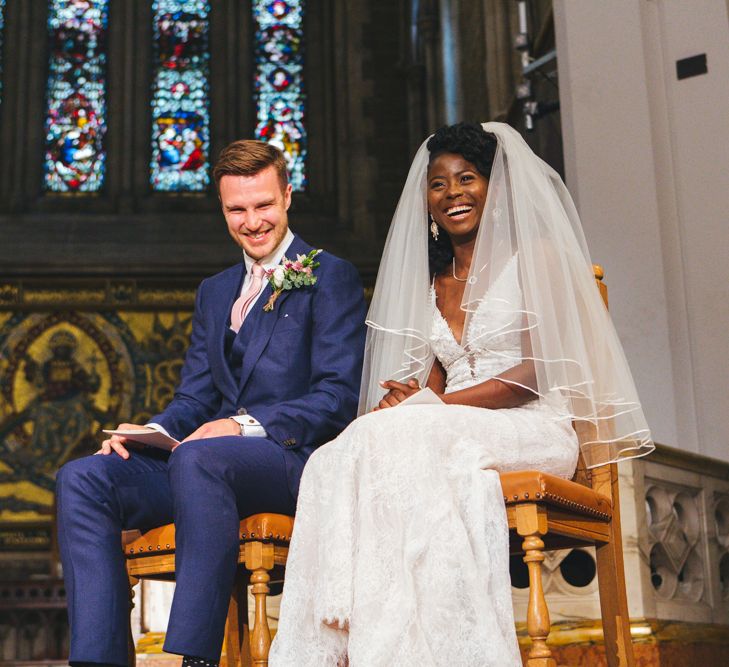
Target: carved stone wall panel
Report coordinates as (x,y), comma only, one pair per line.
(679,545)
(718,535)
(675,521)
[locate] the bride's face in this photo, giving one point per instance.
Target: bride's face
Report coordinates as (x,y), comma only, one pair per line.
(456,195)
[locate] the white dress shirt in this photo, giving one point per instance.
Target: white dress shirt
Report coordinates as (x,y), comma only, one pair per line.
(249,425)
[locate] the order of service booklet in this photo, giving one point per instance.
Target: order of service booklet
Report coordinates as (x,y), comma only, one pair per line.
(423,397)
(147,437)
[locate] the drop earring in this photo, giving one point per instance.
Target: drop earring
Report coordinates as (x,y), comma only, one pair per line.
(434,229)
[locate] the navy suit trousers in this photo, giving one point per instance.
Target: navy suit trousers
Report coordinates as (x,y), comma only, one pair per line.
(205,487)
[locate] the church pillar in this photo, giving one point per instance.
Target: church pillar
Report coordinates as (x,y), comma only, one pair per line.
(646,159)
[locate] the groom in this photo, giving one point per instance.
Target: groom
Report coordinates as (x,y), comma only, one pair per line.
(259,392)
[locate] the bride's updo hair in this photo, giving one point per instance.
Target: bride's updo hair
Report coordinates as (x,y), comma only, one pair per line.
(479,148)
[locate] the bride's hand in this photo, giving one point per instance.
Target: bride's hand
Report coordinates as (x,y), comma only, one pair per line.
(397,393)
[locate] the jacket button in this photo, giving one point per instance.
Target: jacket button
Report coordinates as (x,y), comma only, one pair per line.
(242,411)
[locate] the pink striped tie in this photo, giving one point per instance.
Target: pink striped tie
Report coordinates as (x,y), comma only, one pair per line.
(243,302)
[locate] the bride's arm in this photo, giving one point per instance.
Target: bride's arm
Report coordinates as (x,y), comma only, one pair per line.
(398,392)
(437,378)
(510,389)
(498,392)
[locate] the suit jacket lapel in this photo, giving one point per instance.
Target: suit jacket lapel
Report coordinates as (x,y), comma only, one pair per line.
(259,324)
(231,291)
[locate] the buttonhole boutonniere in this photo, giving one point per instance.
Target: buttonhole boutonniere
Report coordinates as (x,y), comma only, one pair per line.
(291,275)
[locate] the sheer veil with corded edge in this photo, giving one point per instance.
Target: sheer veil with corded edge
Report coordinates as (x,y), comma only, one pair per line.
(529,217)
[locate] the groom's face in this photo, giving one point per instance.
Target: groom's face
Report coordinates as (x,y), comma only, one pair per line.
(255,209)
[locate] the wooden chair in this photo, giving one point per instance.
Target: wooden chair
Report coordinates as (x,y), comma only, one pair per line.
(264,547)
(544,513)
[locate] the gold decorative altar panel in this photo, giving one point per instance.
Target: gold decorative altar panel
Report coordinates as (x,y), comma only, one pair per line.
(66,373)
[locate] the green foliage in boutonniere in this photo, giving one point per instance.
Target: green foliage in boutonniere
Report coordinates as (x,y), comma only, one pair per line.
(291,275)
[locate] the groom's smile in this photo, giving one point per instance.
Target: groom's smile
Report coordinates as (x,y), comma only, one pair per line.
(255,209)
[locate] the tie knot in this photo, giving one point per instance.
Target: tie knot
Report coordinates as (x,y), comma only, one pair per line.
(257,270)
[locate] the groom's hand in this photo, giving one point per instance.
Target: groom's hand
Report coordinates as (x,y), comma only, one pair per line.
(397,393)
(120,444)
(215,429)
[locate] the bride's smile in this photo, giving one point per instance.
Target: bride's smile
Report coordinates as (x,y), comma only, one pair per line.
(456,194)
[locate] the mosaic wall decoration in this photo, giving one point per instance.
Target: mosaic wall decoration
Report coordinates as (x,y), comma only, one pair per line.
(75,123)
(180,106)
(279,81)
(65,375)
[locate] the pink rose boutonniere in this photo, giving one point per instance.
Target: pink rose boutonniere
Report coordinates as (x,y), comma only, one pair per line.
(291,275)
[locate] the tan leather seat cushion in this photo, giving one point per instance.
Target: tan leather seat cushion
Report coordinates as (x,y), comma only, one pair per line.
(532,485)
(276,527)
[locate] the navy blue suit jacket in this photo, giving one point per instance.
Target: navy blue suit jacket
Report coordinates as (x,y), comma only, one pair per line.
(302,364)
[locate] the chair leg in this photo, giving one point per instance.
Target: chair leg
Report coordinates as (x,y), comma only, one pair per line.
(614,601)
(538,624)
(131,648)
(611,584)
(259,560)
(237,639)
(261,641)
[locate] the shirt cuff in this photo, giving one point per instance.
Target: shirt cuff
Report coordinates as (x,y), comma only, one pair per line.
(158,427)
(250,426)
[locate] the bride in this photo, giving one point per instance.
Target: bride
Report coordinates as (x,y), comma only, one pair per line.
(485,296)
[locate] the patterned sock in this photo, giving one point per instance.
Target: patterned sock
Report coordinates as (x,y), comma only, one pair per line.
(192,661)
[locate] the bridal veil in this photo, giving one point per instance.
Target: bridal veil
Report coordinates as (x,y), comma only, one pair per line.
(578,359)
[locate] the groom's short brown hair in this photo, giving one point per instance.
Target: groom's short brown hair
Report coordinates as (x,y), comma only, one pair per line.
(247,157)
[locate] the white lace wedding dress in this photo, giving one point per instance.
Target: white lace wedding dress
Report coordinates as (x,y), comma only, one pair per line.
(400,552)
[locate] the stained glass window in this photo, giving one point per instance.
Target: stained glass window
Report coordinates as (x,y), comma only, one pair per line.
(279,82)
(2,13)
(75,159)
(180,108)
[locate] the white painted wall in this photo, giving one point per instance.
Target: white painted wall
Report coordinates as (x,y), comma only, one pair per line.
(647,160)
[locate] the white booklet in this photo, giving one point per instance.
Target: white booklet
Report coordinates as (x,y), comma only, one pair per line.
(423,397)
(147,436)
